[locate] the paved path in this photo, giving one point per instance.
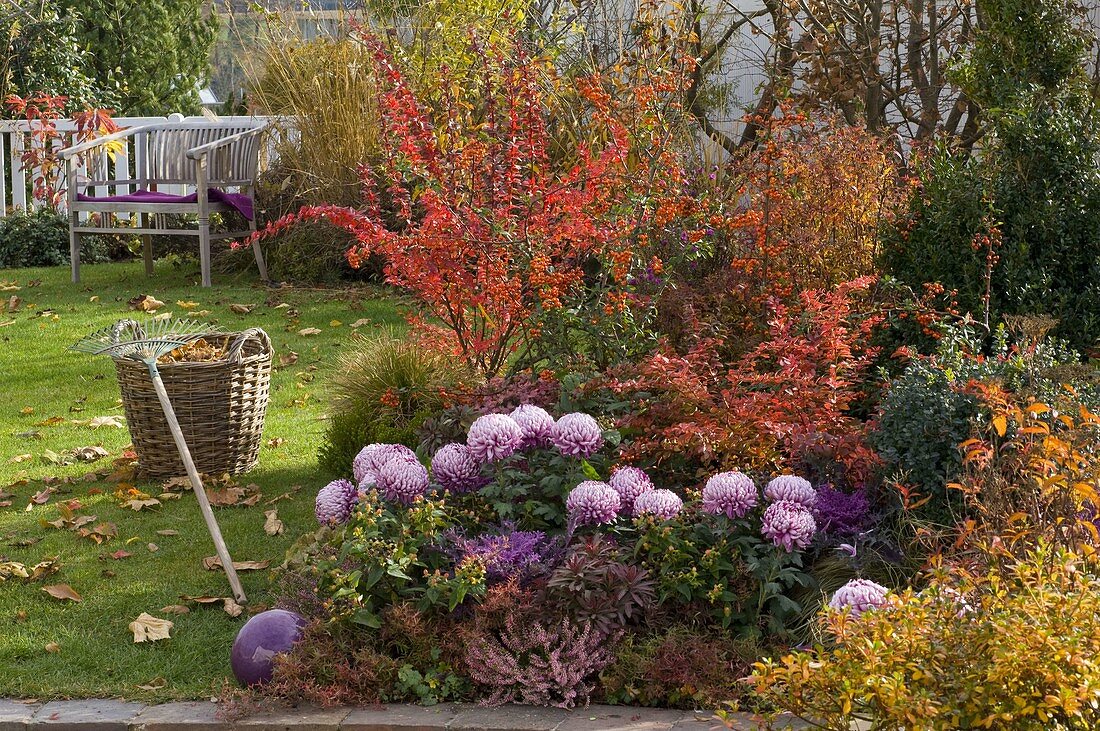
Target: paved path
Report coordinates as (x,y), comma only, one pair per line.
(107,715)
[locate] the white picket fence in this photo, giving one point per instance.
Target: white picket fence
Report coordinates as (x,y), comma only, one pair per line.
(16,183)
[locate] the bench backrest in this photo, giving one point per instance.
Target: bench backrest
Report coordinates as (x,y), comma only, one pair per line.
(164,153)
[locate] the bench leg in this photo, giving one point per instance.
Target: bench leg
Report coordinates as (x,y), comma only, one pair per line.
(147,246)
(260,263)
(74,245)
(204,250)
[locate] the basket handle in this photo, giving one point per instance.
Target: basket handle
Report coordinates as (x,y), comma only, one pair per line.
(236,348)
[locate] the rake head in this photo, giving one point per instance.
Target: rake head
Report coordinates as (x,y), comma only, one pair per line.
(144,341)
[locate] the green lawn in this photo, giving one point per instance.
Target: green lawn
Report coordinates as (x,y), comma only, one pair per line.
(44,388)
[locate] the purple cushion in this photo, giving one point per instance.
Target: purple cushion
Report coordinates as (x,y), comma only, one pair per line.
(237,201)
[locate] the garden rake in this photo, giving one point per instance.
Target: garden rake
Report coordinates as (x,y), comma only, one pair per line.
(146,342)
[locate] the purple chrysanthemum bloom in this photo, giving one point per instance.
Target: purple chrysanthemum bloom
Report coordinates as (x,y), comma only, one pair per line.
(368,484)
(857,596)
(402,480)
(629,482)
(592,503)
(536,424)
(664,504)
(494,437)
(373,456)
(788,524)
(792,488)
(577,435)
(840,513)
(335,502)
(456,469)
(729,493)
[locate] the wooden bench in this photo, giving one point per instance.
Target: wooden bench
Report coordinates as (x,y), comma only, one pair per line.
(215,163)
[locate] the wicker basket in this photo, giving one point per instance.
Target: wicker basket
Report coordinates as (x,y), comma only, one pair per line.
(220,406)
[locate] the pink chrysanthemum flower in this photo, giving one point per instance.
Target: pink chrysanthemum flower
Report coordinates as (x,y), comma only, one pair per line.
(629,482)
(792,488)
(729,493)
(664,504)
(577,435)
(402,480)
(335,502)
(858,596)
(494,437)
(456,469)
(536,424)
(789,525)
(592,503)
(373,456)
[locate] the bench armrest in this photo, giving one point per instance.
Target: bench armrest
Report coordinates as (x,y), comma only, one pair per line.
(67,152)
(196,152)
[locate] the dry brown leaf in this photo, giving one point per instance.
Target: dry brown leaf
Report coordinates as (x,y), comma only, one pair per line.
(186,305)
(306,331)
(120,554)
(154,684)
(168,532)
(137,505)
(147,628)
(175,609)
(276,442)
(102,421)
(213,563)
(232,608)
(63,592)
(145,303)
(13,303)
(153,548)
(361,322)
(242,309)
(52,647)
(19,458)
(225,496)
(272,525)
(89,454)
(288,358)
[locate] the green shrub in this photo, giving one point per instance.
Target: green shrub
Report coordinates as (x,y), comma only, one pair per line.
(1011,649)
(383,390)
(41,239)
(927,411)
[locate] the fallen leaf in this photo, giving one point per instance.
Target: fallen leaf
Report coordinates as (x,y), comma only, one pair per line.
(52,647)
(120,554)
(213,563)
(51,457)
(43,497)
(288,358)
(272,525)
(335,323)
(282,306)
(26,410)
(277,498)
(137,505)
(94,298)
(186,305)
(242,309)
(102,421)
(276,442)
(153,548)
(154,684)
(226,496)
(63,592)
(232,608)
(175,609)
(52,421)
(145,303)
(89,454)
(309,331)
(13,303)
(361,322)
(168,532)
(147,628)
(19,458)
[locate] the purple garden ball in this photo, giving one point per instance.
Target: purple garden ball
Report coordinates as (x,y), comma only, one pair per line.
(261,638)
(577,435)
(664,504)
(592,503)
(857,596)
(373,456)
(494,437)
(335,502)
(729,493)
(629,482)
(403,480)
(789,524)
(456,469)
(536,424)
(792,488)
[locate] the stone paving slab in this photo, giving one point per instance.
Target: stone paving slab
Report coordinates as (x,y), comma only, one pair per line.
(110,715)
(14,716)
(89,715)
